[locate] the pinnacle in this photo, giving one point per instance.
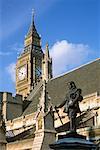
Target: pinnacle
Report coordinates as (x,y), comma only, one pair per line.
(47,50)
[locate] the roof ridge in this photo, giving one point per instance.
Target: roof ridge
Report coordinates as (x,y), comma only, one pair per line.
(76,68)
(35,90)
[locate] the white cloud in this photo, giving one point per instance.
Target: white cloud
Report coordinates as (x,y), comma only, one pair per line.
(65,56)
(11,70)
(68,55)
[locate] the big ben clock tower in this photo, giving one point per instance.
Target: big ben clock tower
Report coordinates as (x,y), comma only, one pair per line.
(29,63)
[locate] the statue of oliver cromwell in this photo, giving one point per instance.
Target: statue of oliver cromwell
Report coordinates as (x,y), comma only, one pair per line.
(71,104)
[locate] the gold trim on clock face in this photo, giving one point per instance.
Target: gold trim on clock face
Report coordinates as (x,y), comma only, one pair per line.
(22,73)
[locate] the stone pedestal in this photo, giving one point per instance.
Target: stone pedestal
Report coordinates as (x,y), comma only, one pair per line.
(72,141)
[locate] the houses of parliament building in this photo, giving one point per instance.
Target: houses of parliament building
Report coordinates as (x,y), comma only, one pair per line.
(29,120)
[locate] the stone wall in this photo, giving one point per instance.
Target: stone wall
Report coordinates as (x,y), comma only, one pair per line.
(11,106)
(21,124)
(26,144)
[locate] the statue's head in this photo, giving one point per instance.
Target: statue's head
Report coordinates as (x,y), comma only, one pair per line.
(71,85)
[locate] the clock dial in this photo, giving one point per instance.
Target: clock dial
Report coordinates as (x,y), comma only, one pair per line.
(22,73)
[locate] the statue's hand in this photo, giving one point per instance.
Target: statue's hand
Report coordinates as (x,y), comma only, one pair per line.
(65,110)
(70,103)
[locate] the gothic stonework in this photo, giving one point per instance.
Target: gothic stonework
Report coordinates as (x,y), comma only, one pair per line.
(32,64)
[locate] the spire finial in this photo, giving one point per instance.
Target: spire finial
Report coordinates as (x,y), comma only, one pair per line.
(47,46)
(33,12)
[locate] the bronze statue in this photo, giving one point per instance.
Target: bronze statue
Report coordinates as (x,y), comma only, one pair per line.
(71,104)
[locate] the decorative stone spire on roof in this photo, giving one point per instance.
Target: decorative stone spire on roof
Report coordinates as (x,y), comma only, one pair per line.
(47,51)
(47,65)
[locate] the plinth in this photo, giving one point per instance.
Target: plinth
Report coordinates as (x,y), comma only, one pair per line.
(72,141)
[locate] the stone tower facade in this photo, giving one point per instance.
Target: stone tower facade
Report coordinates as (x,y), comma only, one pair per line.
(29,63)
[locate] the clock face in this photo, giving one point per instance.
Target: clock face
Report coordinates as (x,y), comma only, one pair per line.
(22,73)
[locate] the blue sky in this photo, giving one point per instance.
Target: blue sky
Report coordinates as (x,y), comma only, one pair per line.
(70,26)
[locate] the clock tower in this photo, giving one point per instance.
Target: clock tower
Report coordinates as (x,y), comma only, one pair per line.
(29,63)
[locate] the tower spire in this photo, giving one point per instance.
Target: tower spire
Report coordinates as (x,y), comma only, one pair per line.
(33,12)
(32,35)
